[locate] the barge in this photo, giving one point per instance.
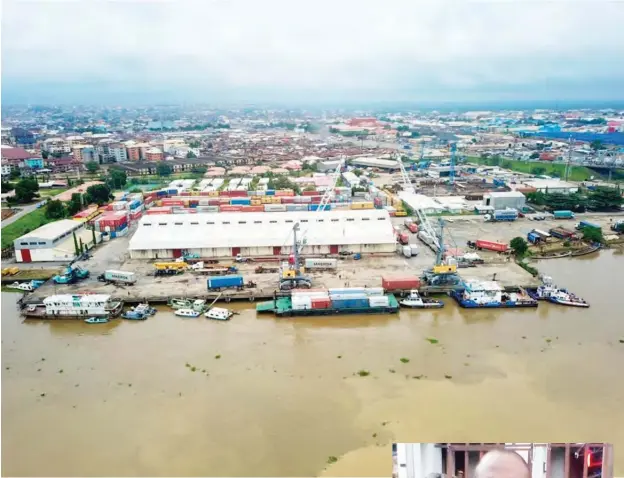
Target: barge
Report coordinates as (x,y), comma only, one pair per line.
(490,294)
(74,306)
(331,302)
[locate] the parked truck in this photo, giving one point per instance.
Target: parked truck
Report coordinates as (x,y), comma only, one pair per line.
(403,238)
(534,238)
(562,233)
(618,226)
(319,264)
(226,282)
(583,224)
(123,277)
(563,214)
(489,246)
(400,284)
(502,215)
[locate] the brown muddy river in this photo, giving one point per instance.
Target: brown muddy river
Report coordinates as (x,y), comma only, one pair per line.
(284,395)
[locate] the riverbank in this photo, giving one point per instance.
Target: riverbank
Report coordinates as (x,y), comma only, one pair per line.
(176,397)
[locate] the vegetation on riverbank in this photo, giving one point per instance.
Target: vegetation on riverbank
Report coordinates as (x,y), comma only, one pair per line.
(23,225)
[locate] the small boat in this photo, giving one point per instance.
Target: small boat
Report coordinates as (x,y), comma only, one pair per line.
(562,297)
(144,309)
(415,301)
(584,252)
(190,313)
(553,255)
(180,303)
(24,286)
(219,313)
(133,315)
(198,305)
(96,320)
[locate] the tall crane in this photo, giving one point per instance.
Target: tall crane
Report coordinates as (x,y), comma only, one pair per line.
(452,170)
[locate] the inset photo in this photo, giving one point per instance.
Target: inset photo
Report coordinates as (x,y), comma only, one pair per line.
(502,460)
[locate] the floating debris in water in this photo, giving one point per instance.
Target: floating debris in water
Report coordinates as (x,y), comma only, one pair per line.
(391,370)
(217,357)
(363,373)
(42,395)
(417,377)
(60,371)
(340,356)
(374,435)
(448,377)
(193,369)
(332,459)
(548,341)
(431,340)
(404,360)
(188,365)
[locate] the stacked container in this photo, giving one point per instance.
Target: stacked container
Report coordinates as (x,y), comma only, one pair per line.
(310,299)
(274,207)
(379,301)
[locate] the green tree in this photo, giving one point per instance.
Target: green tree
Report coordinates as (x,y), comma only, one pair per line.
(592,234)
(605,199)
(163,169)
(309,188)
(99,194)
(117,178)
(358,172)
(26,190)
(534,156)
(15,173)
(596,145)
(75,204)
(55,209)
(402,127)
(7,187)
(191,155)
(92,167)
(519,246)
(76,248)
(93,236)
(538,170)
(44,155)
(135,181)
(194,144)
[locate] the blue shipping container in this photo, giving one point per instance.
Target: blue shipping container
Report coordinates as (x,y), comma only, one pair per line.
(240,202)
(270,192)
(172,191)
(350,303)
(161,193)
(315,207)
(225,281)
(583,224)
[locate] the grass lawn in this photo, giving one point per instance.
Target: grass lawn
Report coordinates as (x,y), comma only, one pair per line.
(577,173)
(46,193)
(23,225)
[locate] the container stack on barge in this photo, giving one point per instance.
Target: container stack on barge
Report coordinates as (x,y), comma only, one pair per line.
(331,302)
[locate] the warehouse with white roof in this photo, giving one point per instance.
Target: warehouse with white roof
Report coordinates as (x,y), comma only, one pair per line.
(262,234)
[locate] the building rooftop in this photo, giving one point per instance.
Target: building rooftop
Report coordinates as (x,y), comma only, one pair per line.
(504,194)
(248,229)
(52,230)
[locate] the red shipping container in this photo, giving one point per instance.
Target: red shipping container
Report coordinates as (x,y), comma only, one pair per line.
(315,199)
(309,193)
(214,202)
(413,227)
(288,199)
(224,200)
(321,303)
(406,282)
(238,194)
(253,209)
(227,208)
(492,246)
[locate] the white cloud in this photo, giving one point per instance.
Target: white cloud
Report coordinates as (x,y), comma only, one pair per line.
(314,45)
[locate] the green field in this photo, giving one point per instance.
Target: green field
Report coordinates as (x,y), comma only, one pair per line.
(46,193)
(23,225)
(577,173)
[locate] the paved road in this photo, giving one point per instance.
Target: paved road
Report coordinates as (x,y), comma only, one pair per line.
(23,211)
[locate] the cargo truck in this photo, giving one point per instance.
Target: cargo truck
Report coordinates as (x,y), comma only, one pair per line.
(563,214)
(502,215)
(123,277)
(583,224)
(562,233)
(400,284)
(618,226)
(403,238)
(489,246)
(226,282)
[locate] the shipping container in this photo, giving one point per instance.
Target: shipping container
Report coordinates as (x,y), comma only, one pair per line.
(347,290)
(120,276)
(240,202)
(406,282)
(226,208)
(321,303)
(301,302)
(350,303)
(270,192)
(379,301)
(287,199)
(274,207)
(584,224)
(222,282)
(492,246)
(296,207)
(315,207)
(362,205)
(321,264)
(309,193)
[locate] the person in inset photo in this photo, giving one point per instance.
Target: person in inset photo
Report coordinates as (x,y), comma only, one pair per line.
(502,464)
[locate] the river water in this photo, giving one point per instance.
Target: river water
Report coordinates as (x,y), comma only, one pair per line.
(279,397)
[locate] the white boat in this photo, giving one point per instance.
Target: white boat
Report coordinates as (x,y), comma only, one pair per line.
(190,313)
(144,309)
(198,305)
(25,286)
(415,301)
(563,297)
(219,313)
(180,303)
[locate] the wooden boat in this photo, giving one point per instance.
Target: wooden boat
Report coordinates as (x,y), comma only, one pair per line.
(584,252)
(554,255)
(415,301)
(96,320)
(187,313)
(219,313)
(179,303)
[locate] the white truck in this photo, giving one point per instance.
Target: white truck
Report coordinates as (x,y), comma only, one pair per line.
(123,277)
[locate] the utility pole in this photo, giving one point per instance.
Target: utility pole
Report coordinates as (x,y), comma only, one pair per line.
(567,168)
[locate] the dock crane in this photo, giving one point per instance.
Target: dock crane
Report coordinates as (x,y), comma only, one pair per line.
(441,274)
(292,276)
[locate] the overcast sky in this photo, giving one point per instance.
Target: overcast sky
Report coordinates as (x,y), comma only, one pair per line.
(95,51)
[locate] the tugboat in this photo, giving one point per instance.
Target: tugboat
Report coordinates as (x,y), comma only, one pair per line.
(415,301)
(134,315)
(144,309)
(550,292)
(491,295)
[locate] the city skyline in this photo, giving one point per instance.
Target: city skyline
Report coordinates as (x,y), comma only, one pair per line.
(245,52)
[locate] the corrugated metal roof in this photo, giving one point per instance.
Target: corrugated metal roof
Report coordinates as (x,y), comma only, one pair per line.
(53,230)
(211,230)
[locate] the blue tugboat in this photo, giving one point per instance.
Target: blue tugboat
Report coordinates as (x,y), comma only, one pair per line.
(490,294)
(550,292)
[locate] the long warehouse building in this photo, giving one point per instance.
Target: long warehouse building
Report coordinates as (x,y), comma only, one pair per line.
(262,234)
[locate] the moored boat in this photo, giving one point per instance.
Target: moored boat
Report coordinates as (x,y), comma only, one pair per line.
(188,313)
(562,297)
(74,306)
(551,293)
(96,320)
(415,301)
(144,309)
(133,315)
(219,313)
(179,303)
(489,294)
